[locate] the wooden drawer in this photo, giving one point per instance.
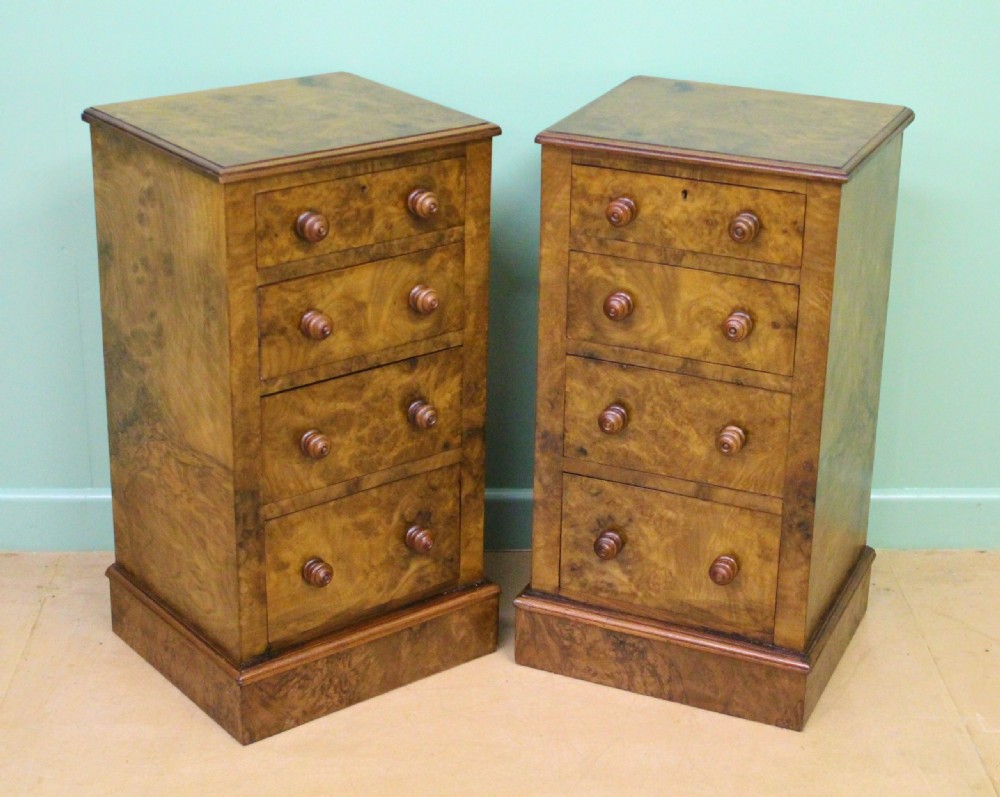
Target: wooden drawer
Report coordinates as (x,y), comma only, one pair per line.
(738,321)
(688,214)
(676,425)
(360,310)
(664,565)
(357,211)
(364,421)
(362,538)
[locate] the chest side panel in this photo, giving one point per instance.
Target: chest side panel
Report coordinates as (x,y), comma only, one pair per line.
(166,338)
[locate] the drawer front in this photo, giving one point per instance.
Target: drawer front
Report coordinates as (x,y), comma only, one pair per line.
(341,314)
(748,323)
(363,540)
(363,423)
(671,547)
(689,214)
(677,425)
(357,211)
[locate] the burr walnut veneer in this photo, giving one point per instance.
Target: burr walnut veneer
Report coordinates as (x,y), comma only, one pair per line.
(293,287)
(714,276)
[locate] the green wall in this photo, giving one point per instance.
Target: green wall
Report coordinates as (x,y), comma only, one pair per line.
(524,66)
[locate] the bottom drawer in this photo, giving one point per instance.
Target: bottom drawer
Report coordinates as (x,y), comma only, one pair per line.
(337,562)
(682,559)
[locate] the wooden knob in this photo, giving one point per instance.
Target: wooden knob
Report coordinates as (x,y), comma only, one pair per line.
(738,326)
(618,306)
(608,544)
(422,203)
(730,440)
(312,226)
(724,569)
(744,227)
(419,539)
(317,573)
(613,420)
(422,414)
(424,299)
(315,325)
(621,211)
(315,444)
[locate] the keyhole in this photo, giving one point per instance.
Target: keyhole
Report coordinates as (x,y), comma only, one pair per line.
(684,194)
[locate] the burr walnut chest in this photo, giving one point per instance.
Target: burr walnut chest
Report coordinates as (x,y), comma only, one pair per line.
(293,289)
(713,284)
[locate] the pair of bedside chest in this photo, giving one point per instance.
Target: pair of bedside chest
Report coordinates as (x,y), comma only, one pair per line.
(294,281)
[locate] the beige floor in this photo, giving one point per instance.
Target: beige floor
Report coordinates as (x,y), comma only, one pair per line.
(914,709)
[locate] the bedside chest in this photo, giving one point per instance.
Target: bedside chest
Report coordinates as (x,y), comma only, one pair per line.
(713,284)
(293,290)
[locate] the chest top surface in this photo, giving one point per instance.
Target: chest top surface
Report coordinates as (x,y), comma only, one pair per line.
(229,131)
(724,125)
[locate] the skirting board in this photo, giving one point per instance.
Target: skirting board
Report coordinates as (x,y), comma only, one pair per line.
(80,519)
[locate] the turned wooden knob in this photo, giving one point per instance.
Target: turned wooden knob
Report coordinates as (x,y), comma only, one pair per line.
(424,299)
(315,325)
(744,227)
(315,444)
(724,569)
(738,326)
(419,539)
(613,420)
(317,573)
(422,414)
(312,226)
(730,440)
(621,211)
(422,203)
(608,544)
(618,306)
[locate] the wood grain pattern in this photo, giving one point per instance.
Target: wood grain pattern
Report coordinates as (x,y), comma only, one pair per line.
(674,421)
(686,258)
(343,668)
(247,451)
(811,351)
(643,656)
(551,369)
(657,481)
(477,279)
(160,242)
(370,660)
(365,415)
(361,362)
(853,376)
(362,210)
(701,669)
(367,306)
(258,128)
(196,667)
(680,365)
(731,127)
(681,312)
(366,481)
(362,536)
(691,203)
(209,356)
(688,214)
(670,544)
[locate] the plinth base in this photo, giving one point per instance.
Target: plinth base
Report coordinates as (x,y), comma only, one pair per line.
(698,668)
(324,675)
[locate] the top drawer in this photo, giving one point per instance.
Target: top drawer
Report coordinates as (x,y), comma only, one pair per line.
(321,218)
(719,219)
